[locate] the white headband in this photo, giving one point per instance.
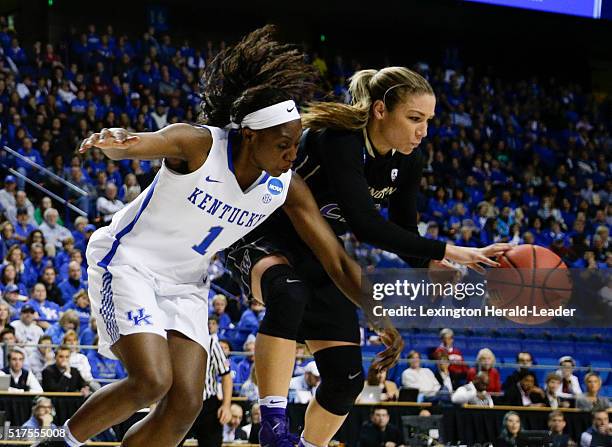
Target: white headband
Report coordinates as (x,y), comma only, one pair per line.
(270,116)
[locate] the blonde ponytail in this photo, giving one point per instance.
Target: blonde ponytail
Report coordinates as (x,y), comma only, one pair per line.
(392,85)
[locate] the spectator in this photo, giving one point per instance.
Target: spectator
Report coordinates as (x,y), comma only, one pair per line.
(250,319)
(458,369)
(77,179)
(21,203)
(598,434)
(7,194)
(591,399)
(78,234)
(42,415)
(422,379)
(377,388)
(47,312)
(219,304)
(15,257)
(13,299)
(63,257)
(88,334)
(9,238)
(244,367)
(108,205)
(24,225)
(525,393)
(571,385)
(37,237)
(39,212)
(61,376)
(27,331)
(474,393)
(302,388)
(213,325)
(68,321)
(300,361)
(552,399)
(10,279)
(75,256)
(21,379)
(254,425)
(103,368)
(81,305)
(7,340)
(485,362)
(511,427)
(556,425)
(5,315)
(54,232)
(71,285)
(78,360)
(232,430)
(130,189)
(379,432)
(34,265)
(525,361)
(49,280)
(442,373)
(42,357)
(249,388)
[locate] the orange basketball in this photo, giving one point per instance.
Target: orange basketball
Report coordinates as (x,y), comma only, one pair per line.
(533,278)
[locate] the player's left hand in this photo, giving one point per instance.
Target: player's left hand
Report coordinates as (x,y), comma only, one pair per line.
(224,414)
(394,343)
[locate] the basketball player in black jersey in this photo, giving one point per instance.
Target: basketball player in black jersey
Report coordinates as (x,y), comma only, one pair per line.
(352,157)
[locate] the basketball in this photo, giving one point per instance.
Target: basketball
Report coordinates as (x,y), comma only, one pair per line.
(533,277)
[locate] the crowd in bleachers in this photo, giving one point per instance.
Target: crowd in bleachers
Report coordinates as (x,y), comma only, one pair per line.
(526,161)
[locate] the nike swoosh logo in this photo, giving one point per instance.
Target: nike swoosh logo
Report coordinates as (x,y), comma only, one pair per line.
(272,402)
(290,110)
(208,179)
(352,376)
(289,281)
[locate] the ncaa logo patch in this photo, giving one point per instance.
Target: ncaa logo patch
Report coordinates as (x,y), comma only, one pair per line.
(275,186)
(267,198)
(393,174)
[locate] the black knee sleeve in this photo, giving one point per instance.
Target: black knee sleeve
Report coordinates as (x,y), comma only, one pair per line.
(285,296)
(341,378)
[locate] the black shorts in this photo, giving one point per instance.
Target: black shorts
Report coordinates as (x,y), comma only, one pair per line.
(329,315)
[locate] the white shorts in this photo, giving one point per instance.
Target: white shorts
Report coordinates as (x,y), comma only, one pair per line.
(126,300)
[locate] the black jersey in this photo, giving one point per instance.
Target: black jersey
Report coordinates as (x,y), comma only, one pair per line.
(350,181)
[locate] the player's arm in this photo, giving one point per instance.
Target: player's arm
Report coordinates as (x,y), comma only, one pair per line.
(347,179)
(180,140)
(303,211)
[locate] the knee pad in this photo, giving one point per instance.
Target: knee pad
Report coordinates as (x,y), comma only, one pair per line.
(341,378)
(285,296)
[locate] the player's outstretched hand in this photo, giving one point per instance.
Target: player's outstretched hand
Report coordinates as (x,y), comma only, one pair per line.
(473,256)
(113,138)
(394,343)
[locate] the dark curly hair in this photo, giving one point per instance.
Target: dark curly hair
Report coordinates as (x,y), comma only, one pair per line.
(255,73)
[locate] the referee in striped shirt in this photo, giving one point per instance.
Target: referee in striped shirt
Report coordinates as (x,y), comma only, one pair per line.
(208,427)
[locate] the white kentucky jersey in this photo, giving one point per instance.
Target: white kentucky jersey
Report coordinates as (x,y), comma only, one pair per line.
(179,222)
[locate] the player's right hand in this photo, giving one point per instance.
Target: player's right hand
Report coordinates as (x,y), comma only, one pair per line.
(473,256)
(113,138)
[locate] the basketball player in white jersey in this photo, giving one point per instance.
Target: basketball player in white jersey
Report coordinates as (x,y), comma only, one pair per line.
(147,268)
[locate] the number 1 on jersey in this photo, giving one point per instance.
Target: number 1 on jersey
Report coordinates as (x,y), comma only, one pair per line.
(213,233)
